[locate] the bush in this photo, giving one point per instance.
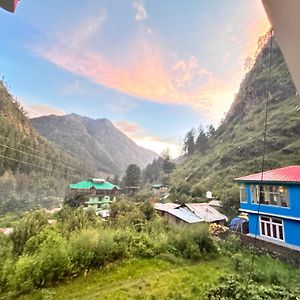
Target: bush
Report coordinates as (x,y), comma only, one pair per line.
(192,242)
(234,288)
(231,245)
(52,260)
(25,275)
(71,219)
(82,248)
(30,225)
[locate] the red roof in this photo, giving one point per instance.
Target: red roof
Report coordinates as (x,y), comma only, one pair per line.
(9,5)
(286,174)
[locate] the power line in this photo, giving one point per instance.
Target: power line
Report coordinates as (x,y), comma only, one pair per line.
(58,163)
(263,158)
(31,164)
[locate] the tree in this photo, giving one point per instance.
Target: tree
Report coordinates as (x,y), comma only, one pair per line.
(115,180)
(133,176)
(189,142)
(153,171)
(211,131)
(167,164)
(201,141)
(76,199)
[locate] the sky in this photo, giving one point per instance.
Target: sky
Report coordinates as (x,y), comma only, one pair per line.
(154,68)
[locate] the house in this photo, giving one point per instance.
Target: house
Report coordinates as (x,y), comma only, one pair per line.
(206,212)
(189,213)
(159,189)
(101,192)
(272,201)
(175,214)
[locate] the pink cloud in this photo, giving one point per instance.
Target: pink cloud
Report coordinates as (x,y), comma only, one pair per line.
(150,74)
(38,110)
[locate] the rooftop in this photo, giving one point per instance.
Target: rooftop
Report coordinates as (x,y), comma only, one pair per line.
(289,174)
(192,213)
(205,212)
(93,182)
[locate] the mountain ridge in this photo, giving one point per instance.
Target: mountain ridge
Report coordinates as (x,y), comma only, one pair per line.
(97,140)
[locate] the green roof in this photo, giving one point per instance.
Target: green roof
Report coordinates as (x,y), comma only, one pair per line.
(87,184)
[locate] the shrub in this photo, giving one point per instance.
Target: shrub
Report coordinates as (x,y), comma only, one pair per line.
(107,250)
(192,242)
(82,248)
(25,275)
(234,288)
(71,219)
(30,225)
(52,260)
(231,245)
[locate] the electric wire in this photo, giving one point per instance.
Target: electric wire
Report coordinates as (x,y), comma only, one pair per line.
(60,164)
(31,164)
(40,157)
(263,158)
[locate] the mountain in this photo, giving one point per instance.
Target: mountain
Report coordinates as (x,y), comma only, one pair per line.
(99,142)
(33,171)
(236,147)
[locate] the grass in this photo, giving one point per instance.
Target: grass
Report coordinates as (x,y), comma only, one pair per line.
(141,279)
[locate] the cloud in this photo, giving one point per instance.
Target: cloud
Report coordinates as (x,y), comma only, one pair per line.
(38,110)
(142,138)
(149,75)
(148,72)
(140,11)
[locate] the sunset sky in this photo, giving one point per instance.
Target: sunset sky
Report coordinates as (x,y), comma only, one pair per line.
(154,68)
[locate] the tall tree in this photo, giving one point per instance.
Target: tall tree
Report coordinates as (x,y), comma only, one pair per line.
(167,165)
(189,142)
(201,141)
(211,131)
(133,175)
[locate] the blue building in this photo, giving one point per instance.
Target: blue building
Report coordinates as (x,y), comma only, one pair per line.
(277,218)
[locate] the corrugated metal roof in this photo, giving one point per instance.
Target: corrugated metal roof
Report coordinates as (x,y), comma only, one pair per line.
(286,174)
(205,212)
(179,212)
(165,206)
(87,184)
(185,215)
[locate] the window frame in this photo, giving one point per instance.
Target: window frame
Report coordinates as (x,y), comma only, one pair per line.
(243,189)
(265,194)
(272,222)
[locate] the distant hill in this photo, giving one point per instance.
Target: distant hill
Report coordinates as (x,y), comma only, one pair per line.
(98,142)
(237,146)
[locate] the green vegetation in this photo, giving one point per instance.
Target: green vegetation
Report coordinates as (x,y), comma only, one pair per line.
(133,255)
(39,255)
(33,172)
(133,176)
(141,279)
(235,148)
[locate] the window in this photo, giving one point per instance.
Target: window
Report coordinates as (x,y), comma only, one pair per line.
(243,194)
(270,195)
(271,227)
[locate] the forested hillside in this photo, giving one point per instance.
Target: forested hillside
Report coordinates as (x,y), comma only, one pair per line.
(236,148)
(33,172)
(97,141)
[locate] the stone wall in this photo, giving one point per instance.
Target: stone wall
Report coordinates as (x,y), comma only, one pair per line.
(283,253)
